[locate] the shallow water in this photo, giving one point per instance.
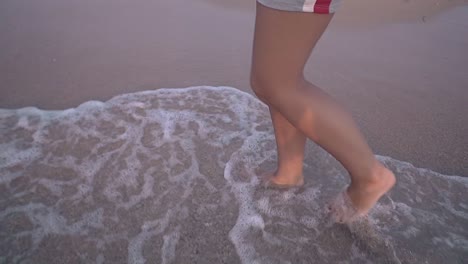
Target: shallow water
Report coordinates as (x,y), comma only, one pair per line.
(170,176)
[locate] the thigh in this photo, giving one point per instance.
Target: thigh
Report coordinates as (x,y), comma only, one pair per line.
(283,42)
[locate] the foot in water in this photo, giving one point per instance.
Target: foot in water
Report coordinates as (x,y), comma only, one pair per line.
(356,201)
(281,180)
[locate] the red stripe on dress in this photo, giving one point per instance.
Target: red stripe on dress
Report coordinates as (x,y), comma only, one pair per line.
(322,6)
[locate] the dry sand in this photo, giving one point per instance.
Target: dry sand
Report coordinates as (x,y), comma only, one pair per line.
(400,66)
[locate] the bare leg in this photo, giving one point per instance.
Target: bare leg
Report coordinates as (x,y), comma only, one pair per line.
(283,42)
(290,143)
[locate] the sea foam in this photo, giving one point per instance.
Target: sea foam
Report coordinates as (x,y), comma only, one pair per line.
(172,176)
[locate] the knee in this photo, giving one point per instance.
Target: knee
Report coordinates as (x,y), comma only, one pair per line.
(258,82)
(258,88)
(268,87)
(264,86)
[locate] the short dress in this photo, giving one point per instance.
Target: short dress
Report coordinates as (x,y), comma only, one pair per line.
(312,6)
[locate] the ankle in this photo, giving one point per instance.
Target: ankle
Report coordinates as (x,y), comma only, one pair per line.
(288,172)
(376,177)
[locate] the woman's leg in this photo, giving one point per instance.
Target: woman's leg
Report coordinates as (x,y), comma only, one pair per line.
(282,45)
(290,143)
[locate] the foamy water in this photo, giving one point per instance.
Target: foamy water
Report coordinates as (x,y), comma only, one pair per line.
(170,176)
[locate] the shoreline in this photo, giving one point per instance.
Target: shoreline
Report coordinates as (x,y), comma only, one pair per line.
(59,55)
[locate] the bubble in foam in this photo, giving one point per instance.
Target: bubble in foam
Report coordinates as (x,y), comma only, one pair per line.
(310,222)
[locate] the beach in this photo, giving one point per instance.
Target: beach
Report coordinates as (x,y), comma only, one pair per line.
(129,133)
(401,71)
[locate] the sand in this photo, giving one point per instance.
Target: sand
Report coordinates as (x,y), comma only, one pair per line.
(403,79)
(173,176)
(399,67)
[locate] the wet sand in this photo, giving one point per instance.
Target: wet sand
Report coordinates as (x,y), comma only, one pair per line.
(173,176)
(400,67)
(169,176)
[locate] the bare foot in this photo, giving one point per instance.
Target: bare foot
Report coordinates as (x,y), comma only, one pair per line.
(282,180)
(359,198)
